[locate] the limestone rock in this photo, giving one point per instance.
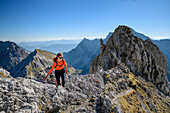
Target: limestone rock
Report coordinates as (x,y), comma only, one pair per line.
(142,57)
(118,91)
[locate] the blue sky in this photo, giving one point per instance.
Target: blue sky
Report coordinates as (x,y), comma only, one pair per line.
(32,20)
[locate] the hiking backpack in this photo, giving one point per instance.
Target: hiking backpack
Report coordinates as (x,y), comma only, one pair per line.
(59,65)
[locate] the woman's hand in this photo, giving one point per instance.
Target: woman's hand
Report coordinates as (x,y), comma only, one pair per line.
(46,77)
(66,71)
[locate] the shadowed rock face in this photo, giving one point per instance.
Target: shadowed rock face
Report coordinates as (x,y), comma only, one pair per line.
(84,53)
(142,57)
(11,54)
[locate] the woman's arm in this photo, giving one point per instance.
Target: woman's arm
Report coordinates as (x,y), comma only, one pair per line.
(54,64)
(65,65)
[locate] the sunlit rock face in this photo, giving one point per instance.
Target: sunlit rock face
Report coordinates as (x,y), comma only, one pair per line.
(142,57)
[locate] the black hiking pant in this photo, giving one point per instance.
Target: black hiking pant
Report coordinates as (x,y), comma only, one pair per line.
(58,74)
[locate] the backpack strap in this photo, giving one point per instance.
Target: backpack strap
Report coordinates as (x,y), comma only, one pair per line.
(59,65)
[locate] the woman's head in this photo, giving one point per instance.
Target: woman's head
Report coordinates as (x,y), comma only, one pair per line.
(59,55)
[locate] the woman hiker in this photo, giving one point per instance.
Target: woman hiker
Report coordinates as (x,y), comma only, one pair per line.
(59,69)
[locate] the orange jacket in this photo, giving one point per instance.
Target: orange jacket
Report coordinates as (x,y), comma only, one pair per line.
(58,67)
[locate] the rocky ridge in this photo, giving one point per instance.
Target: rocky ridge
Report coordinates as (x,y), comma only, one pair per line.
(37,64)
(142,57)
(115,90)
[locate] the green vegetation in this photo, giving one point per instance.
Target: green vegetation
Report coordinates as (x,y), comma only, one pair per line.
(146,92)
(3,74)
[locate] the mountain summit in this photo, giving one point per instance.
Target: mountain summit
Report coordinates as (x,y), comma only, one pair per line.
(142,57)
(81,56)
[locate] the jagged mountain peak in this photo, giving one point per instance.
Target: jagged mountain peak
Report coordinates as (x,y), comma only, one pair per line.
(47,54)
(119,31)
(11,54)
(9,42)
(129,31)
(85,41)
(8,45)
(123,29)
(81,56)
(142,57)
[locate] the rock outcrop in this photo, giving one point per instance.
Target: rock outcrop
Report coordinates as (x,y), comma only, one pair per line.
(116,90)
(11,54)
(163,44)
(142,57)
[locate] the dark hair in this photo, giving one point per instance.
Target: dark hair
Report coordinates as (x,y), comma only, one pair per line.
(58,55)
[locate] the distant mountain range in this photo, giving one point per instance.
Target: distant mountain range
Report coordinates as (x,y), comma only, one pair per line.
(54,46)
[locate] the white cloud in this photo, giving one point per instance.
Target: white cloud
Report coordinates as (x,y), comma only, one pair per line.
(159,38)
